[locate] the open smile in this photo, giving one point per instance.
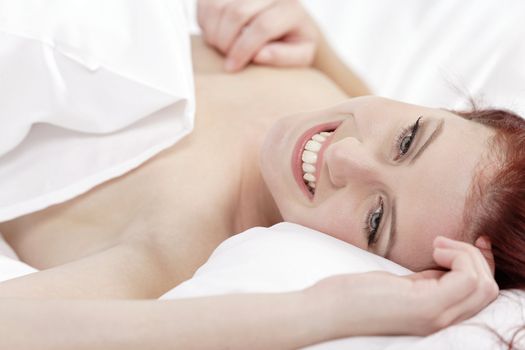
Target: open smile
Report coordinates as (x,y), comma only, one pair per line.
(307,158)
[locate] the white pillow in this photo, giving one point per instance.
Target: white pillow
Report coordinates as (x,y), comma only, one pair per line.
(281,258)
(289,257)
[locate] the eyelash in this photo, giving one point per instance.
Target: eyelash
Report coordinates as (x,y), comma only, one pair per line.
(411,132)
(372,232)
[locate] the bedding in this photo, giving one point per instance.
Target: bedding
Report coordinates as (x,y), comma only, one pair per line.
(433,53)
(10,265)
(111,82)
(289,257)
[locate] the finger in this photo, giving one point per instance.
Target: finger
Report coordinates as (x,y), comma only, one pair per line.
(270,25)
(485,247)
(234,17)
(201,13)
(458,283)
(454,259)
(473,259)
(481,264)
(486,292)
(286,54)
(209,15)
(467,279)
(427,274)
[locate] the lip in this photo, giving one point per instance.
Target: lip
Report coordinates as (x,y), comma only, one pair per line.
(297,162)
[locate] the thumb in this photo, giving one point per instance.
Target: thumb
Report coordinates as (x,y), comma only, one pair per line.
(286,54)
(426,274)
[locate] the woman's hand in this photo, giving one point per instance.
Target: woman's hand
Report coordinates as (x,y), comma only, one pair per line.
(379,303)
(270,32)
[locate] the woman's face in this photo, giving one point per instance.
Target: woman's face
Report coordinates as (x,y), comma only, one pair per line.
(382,175)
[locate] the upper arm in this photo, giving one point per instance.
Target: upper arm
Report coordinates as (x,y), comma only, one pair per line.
(123,271)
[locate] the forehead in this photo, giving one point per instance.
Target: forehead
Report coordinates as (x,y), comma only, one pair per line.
(431,192)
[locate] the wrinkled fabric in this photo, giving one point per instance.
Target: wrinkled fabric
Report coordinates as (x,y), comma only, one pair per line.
(89,90)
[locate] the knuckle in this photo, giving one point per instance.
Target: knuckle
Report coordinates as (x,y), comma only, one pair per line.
(216,7)
(262,27)
(441,322)
(470,280)
(466,249)
(240,49)
(490,289)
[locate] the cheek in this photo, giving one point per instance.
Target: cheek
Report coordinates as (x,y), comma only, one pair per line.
(414,247)
(332,219)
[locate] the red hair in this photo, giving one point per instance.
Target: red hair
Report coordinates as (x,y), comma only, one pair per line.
(496,204)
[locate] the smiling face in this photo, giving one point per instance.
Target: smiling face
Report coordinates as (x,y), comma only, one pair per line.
(389,178)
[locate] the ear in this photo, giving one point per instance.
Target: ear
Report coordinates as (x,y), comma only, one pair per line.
(483,244)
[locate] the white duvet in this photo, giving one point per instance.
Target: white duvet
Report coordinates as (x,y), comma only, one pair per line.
(89,89)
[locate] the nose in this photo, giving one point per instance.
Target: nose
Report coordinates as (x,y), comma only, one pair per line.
(349,160)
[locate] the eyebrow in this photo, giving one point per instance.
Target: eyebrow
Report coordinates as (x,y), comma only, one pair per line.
(393,226)
(393,230)
(429,140)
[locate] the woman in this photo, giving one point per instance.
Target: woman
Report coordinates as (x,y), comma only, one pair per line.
(156,241)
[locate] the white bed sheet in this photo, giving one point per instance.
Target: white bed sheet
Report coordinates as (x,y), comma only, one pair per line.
(10,266)
(432,52)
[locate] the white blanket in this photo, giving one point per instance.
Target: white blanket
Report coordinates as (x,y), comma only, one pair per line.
(89,90)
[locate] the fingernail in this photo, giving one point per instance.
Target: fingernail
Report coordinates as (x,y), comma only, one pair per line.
(441,239)
(229,65)
(482,243)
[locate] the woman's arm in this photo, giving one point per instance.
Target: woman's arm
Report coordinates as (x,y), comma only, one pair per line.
(125,271)
(243,321)
(374,303)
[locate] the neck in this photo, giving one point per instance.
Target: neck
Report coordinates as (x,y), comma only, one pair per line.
(255,205)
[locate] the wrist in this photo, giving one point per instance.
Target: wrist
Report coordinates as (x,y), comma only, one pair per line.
(332,305)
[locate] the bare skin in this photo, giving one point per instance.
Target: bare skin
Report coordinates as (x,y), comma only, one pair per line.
(144,216)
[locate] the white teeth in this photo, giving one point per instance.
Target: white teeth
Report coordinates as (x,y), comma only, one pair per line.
(318,138)
(309,157)
(313,146)
(309,177)
(308,168)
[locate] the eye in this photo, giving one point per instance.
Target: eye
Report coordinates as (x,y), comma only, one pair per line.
(373,220)
(405,139)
